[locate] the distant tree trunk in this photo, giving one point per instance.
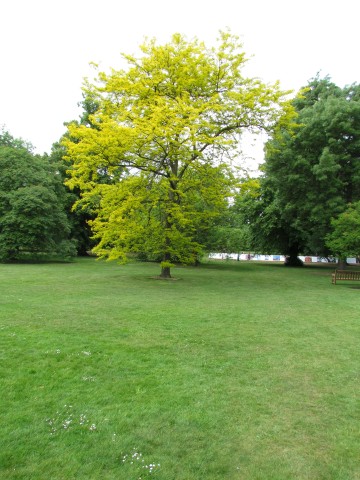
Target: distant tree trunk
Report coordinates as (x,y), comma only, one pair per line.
(292,259)
(342,264)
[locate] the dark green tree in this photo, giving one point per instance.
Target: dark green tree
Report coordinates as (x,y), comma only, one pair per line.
(7,140)
(255,209)
(312,172)
(78,218)
(32,217)
(344,240)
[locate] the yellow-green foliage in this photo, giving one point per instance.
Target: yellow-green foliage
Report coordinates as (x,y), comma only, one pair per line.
(155,165)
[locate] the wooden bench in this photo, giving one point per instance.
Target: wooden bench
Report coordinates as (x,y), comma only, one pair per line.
(345,275)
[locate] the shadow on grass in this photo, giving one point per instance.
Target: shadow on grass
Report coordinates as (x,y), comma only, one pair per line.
(247,266)
(239,265)
(38,261)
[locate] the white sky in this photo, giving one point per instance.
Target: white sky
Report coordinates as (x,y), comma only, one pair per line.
(47,45)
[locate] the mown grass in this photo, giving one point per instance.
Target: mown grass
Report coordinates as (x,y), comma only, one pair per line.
(237,370)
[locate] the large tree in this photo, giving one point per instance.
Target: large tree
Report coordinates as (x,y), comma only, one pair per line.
(163,135)
(32,216)
(311,172)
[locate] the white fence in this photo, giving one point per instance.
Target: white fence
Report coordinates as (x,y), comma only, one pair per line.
(272,258)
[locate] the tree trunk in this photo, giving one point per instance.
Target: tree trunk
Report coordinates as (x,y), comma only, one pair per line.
(166,263)
(292,259)
(342,264)
(165,266)
(165,272)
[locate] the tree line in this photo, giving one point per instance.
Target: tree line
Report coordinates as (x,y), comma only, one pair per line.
(150,168)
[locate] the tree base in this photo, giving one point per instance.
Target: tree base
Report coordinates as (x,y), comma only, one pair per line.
(159,277)
(165,272)
(293,262)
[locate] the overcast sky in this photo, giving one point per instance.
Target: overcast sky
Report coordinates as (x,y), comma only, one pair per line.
(47,45)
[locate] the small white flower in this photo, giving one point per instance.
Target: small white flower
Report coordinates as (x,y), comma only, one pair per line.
(66,423)
(82,419)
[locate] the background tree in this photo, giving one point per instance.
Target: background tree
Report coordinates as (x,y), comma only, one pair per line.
(78,218)
(232,233)
(255,209)
(32,218)
(164,132)
(344,240)
(311,172)
(7,140)
(269,231)
(229,239)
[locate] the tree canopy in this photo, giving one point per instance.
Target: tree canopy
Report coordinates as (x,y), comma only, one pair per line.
(154,160)
(32,217)
(311,171)
(344,240)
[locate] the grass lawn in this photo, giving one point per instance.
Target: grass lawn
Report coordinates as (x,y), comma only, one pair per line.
(238,370)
